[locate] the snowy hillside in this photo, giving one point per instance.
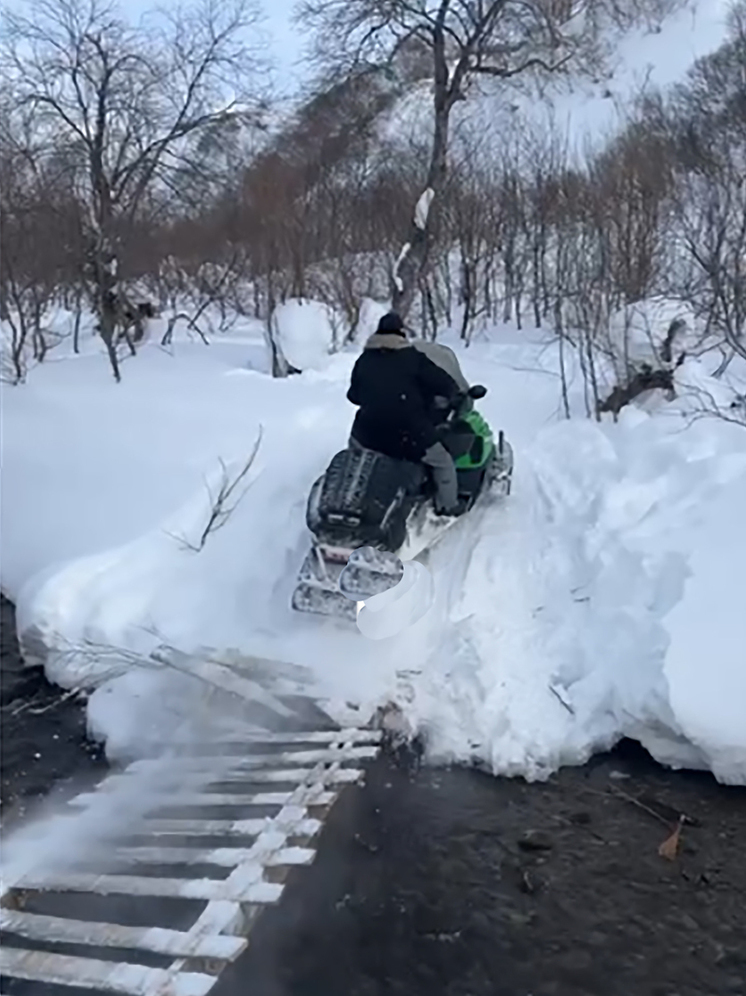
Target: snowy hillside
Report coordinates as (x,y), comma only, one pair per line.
(584,112)
(597,601)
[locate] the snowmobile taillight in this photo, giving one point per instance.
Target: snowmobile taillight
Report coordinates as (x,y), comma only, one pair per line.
(335,554)
(346,520)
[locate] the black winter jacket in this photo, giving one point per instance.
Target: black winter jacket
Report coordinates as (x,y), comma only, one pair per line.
(395,384)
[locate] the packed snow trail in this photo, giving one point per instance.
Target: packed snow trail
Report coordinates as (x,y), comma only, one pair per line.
(548,637)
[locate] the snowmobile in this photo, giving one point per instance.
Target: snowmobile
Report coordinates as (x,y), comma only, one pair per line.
(368,512)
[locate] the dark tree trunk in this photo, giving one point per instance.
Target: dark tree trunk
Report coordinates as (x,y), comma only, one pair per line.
(412,266)
(108,316)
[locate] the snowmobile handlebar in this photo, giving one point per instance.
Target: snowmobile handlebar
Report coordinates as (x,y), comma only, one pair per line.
(475,392)
(450,406)
(449,409)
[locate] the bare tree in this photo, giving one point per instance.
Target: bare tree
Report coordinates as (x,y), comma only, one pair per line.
(33,243)
(128,105)
(190,300)
(465,40)
(708,124)
(712,215)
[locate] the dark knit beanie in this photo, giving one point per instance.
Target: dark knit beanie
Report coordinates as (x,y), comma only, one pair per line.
(391,323)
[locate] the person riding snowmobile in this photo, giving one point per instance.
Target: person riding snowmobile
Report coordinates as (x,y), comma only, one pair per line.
(395,386)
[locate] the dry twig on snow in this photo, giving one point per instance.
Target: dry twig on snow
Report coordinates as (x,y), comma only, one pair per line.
(224,503)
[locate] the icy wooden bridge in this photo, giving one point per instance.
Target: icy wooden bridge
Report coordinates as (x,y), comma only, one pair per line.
(170,901)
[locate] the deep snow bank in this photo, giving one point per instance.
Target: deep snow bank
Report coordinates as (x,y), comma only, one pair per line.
(550,630)
(561,631)
(705,663)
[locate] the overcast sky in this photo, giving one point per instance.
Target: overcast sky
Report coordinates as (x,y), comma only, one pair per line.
(287,42)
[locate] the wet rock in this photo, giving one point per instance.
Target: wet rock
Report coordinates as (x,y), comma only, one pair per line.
(43,739)
(535,840)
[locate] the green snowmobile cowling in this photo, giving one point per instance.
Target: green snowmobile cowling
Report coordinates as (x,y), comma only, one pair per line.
(484,443)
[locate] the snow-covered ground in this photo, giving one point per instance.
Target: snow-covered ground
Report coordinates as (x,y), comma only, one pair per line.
(600,600)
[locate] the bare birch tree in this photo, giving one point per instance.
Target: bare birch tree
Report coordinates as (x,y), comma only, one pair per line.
(128,104)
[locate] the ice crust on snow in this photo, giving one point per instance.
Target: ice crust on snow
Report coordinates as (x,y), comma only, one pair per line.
(603,579)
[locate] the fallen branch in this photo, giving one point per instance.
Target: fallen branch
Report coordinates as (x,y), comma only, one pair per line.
(641,805)
(220,509)
(26,706)
(107,662)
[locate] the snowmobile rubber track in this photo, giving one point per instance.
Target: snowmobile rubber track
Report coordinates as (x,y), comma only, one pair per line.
(318,589)
(323,602)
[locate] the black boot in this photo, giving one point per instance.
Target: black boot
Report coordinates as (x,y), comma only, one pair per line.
(461,506)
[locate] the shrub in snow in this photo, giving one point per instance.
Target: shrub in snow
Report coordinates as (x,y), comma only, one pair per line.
(645,344)
(307,332)
(655,331)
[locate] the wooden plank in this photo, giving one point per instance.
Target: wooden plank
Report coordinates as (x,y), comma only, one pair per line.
(339,776)
(351,735)
(214,775)
(114,935)
(221,917)
(257,761)
(234,799)
(89,973)
(250,799)
(234,745)
(225,857)
(218,799)
(291,856)
(222,828)
(171,788)
(252,889)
